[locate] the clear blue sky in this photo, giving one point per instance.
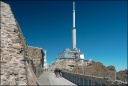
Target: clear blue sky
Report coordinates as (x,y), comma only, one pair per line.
(101,28)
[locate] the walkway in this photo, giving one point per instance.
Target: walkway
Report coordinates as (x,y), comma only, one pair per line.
(43,79)
(48,78)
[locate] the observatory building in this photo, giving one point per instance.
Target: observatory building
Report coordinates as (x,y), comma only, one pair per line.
(73,54)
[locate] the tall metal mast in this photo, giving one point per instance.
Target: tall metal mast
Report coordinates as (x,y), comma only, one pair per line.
(73,29)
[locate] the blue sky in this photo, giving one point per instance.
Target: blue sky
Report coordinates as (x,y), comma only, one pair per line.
(101,28)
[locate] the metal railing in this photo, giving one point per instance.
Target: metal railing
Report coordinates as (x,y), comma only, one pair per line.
(81,79)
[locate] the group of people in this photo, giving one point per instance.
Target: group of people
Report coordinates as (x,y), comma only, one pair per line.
(58,72)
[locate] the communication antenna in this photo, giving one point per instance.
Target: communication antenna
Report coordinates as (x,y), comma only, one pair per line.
(74,29)
(73,5)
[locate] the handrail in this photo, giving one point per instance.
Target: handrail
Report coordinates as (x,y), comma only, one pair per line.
(82,77)
(93,79)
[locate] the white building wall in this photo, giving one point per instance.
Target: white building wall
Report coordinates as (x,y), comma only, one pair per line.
(45,60)
(81,56)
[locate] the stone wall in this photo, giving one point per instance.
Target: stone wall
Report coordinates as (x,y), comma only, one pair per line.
(15,67)
(13,47)
(36,56)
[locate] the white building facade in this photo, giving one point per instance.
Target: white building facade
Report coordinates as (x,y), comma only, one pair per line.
(45,60)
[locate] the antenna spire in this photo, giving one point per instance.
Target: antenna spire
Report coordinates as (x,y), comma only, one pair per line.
(73,14)
(73,5)
(74,29)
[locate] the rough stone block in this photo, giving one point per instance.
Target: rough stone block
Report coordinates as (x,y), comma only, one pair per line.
(1,50)
(17,46)
(22,71)
(22,83)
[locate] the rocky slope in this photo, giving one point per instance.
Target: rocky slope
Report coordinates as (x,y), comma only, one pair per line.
(94,69)
(63,65)
(122,75)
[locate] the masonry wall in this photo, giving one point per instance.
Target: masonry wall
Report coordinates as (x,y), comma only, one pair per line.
(36,56)
(13,51)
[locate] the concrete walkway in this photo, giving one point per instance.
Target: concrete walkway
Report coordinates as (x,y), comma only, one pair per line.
(49,78)
(43,79)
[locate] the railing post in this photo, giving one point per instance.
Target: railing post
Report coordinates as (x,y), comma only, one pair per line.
(68,76)
(89,82)
(83,81)
(78,80)
(71,77)
(74,79)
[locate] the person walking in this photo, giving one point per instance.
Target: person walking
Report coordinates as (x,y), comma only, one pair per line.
(55,71)
(60,73)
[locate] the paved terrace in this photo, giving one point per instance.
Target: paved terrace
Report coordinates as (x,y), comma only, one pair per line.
(49,78)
